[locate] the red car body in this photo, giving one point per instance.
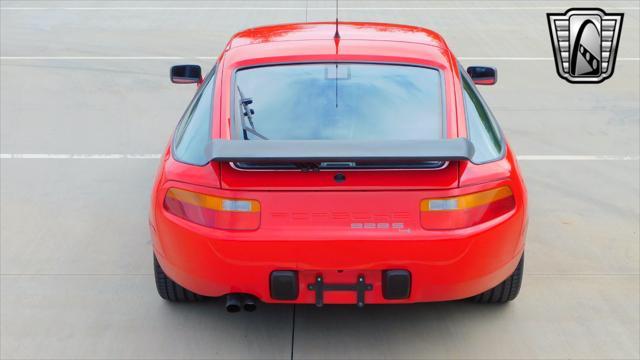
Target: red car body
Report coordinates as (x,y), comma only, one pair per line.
(305,219)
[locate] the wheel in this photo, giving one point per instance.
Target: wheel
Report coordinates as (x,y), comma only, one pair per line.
(506,290)
(169,289)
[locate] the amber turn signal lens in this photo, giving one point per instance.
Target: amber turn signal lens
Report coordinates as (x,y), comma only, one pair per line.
(213,211)
(466,210)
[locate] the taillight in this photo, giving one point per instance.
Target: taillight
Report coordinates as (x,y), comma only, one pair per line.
(466,210)
(213,211)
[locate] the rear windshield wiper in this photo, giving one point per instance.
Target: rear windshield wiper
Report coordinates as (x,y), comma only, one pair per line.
(246,114)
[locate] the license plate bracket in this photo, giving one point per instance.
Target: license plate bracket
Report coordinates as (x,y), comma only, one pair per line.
(360,287)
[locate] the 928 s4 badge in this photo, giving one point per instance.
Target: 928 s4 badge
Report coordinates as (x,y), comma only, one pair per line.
(585,43)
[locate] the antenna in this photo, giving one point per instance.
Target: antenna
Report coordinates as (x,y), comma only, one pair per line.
(337,34)
(336,39)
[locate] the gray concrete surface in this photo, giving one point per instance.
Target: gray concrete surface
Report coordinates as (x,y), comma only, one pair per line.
(75,260)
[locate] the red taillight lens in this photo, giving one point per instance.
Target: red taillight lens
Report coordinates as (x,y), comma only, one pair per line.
(213,211)
(466,210)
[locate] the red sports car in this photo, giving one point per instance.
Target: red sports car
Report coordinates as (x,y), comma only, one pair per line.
(338,163)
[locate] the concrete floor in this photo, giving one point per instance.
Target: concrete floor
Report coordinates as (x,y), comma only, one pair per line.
(75,272)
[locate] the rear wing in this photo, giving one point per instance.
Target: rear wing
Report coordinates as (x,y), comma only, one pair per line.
(362,151)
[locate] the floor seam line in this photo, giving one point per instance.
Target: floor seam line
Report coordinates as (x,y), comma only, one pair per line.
(293,331)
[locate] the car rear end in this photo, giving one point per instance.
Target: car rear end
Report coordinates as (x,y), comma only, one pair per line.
(286,222)
(341,235)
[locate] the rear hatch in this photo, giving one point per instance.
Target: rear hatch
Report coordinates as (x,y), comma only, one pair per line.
(340,204)
(356,132)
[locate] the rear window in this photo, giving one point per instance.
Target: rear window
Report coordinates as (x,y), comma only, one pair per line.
(339,101)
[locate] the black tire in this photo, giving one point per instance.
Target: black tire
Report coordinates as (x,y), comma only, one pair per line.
(506,290)
(169,289)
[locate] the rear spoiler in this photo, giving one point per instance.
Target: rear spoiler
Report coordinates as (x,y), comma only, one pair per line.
(363,151)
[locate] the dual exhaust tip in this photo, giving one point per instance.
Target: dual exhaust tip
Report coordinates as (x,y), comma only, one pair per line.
(237,302)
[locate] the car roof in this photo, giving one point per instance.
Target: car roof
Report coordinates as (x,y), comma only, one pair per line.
(356,39)
(348,31)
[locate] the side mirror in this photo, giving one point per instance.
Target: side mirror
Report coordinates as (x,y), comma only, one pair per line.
(186,74)
(483,75)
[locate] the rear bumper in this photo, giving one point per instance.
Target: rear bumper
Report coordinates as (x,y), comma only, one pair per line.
(463,264)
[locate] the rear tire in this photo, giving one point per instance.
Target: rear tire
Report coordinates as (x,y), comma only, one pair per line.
(169,289)
(506,290)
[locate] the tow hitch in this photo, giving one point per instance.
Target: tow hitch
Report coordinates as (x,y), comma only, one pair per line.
(359,287)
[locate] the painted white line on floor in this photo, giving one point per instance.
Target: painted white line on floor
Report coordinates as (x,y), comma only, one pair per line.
(157,156)
(529,58)
(504,58)
(300,8)
(578,158)
(108,57)
(80,156)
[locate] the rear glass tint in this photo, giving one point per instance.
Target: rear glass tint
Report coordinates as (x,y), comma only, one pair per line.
(194,130)
(482,129)
(339,101)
